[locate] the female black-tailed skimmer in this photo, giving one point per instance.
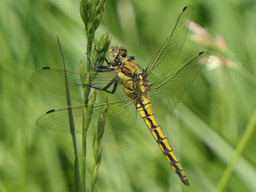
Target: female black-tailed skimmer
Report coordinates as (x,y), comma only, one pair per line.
(126,84)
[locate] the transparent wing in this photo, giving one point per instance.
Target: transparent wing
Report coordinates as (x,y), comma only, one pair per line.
(120,107)
(119,113)
(168,92)
(53,79)
(164,60)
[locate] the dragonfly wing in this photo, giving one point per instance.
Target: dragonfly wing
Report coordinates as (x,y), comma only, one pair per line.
(164,60)
(60,119)
(53,79)
(168,92)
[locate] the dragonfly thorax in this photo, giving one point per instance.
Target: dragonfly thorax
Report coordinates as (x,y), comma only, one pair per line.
(132,76)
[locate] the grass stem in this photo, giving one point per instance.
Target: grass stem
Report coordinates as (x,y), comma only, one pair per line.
(240,147)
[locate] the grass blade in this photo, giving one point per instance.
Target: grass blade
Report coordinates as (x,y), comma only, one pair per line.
(71,124)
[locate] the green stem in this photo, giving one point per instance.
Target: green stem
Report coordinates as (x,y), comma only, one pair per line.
(89,52)
(91,14)
(241,145)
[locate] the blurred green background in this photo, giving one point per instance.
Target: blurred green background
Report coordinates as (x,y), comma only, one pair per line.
(205,130)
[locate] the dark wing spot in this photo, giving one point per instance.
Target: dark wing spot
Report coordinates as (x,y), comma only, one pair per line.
(45,67)
(50,111)
(185,8)
(202,52)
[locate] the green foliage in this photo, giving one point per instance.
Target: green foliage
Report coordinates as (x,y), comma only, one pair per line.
(214,123)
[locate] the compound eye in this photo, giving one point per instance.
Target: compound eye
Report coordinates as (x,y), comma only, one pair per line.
(113,53)
(123,52)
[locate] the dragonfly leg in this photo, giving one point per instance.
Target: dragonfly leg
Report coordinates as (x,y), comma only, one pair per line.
(109,63)
(98,59)
(100,68)
(107,86)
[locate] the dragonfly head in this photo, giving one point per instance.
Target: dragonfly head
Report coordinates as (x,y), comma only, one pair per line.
(116,53)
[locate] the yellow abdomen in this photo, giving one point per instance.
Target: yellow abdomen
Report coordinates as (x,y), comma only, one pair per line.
(145,109)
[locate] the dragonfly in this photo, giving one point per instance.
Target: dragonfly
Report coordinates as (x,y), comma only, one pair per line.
(129,87)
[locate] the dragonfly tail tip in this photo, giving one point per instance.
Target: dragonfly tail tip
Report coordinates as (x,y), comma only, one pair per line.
(186,182)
